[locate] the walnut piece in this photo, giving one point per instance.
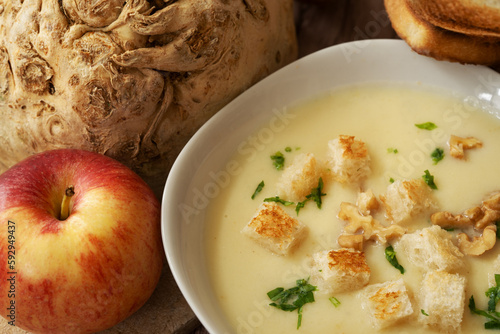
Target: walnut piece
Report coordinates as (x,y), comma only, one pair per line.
(367,202)
(478,217)
(353,241)
(478,245)
(372,229)
(482,217)
(459,144)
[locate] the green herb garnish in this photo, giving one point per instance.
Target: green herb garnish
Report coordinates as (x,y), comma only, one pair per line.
(392,150)
(424,313)
(390,255)
(334,301)
(315,195)
(494,317)
(391,180)
(493,295)
(288,149)
(429,179)
(278,160)
(437,155)
(300,205)
(277,199)
(258,189)
(294,298)
(426,126)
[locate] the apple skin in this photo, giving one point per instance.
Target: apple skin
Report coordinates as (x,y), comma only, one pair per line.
(92,270)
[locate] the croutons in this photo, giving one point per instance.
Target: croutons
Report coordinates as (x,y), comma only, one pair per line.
(406,199)
(431,248)
(386,303)
(299,178)
(275,230)
(348,159)
(494,270)
(339,270)
(442,299)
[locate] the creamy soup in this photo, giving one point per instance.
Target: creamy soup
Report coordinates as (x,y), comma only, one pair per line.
(384,117)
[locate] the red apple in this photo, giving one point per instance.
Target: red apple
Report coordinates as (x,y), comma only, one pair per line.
(76,264)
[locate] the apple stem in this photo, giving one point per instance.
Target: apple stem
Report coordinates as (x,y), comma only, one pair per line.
(70,191)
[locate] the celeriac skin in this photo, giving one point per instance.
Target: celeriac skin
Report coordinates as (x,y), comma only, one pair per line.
(130,79)
(90,271)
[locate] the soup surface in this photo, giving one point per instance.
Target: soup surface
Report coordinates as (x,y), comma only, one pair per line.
(384,118)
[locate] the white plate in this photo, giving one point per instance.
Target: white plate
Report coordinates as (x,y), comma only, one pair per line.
(195,178)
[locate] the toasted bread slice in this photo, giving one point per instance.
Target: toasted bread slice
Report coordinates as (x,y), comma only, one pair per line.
(471,17)
(429,40)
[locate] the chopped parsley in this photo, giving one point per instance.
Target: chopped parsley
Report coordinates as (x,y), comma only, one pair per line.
(277,199)
(493,295)
(258,189)
(278,160)
(426,126)
(437,155)
(390,255)
(288,149)
(423,312)
(391,180)
(334,301)
(300,205)
(294,298)
(392,150)
(315,195)
(429,179)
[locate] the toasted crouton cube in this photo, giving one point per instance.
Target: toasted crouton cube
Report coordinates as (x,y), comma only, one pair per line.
(387,303)
(349,159)
(299,178)
(442,298)
(406,199)
(339,270)
(431,248)
(494,270)
(275,230)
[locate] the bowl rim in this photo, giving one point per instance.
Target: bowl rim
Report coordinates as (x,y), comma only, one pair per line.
(394,54)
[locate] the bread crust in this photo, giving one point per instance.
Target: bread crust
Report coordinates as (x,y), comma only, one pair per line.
(464,16)
(429,40)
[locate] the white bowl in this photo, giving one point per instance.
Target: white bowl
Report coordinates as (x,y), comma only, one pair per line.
(191,183)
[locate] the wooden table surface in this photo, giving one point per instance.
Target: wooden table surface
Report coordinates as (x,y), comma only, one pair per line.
(323,23)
